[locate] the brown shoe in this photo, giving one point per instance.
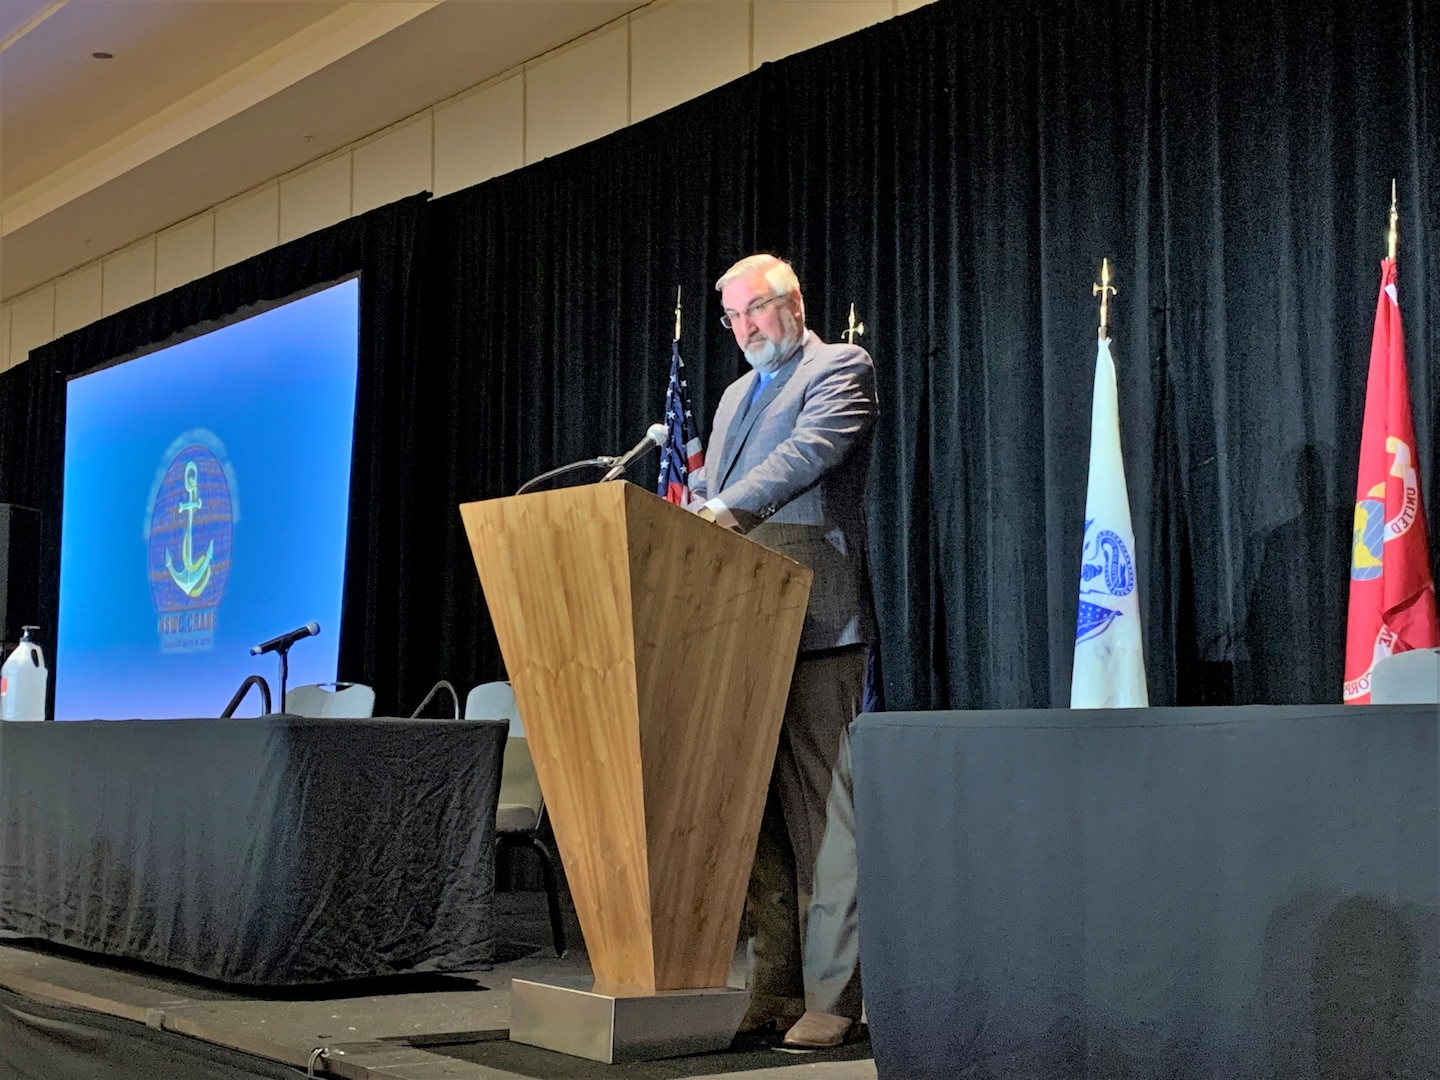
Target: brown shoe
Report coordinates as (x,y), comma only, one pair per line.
(768,1012)
(819,1031)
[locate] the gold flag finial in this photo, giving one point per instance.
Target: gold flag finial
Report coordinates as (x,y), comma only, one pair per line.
(854,329)
(1392,237)
(1104,290)
(677,313)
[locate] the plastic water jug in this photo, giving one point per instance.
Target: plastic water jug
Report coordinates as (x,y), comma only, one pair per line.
(22,681)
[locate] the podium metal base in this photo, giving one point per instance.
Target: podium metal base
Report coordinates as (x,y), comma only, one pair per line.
(611,1024)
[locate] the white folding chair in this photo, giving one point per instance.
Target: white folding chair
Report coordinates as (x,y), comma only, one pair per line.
(521,811)
(330,699)
(1408,678)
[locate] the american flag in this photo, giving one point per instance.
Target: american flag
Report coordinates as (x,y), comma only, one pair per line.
(682,458)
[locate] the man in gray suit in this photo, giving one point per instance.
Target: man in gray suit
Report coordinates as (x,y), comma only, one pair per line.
(788,463)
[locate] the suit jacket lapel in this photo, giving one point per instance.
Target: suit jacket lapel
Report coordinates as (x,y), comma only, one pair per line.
(736,436)
(724,438)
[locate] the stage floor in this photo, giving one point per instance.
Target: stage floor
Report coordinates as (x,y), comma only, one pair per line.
(451,1026)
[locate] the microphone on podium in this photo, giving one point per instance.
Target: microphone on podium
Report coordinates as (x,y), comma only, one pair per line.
(654,436)
(284,641)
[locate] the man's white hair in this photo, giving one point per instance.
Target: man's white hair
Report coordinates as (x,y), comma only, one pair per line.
(779,273)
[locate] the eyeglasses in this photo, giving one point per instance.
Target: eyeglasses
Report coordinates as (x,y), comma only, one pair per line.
(729,319)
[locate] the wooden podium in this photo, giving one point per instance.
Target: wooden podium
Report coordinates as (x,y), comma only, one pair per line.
(651,654)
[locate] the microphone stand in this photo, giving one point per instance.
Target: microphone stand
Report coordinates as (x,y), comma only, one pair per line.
(614,466)
(588,463)
(283,652)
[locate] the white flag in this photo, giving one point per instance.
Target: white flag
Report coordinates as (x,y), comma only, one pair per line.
(1109,657)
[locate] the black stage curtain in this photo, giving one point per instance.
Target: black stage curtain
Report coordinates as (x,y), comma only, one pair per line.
(958,173)
(552,316)
(384,247)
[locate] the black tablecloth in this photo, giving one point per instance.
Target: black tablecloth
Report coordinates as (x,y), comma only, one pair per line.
(1248,892)
(273,851)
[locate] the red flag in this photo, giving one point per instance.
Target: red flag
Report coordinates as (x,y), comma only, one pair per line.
(1392,597)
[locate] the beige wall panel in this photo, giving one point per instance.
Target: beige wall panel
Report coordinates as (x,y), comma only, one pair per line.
(784,27)
(77,299)
(128,277)
(663,56)
(682,50)
(395,165)
(480,136)
(32,322)
(4,337)
(184,253)
(247,226)
(314,199)
(577,95)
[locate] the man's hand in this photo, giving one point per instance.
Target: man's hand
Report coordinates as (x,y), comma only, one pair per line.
(706,514)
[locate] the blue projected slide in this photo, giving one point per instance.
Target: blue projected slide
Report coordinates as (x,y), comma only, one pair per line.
(207,491)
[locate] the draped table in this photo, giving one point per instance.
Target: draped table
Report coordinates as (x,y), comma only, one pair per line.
(1205,892)
(267,852)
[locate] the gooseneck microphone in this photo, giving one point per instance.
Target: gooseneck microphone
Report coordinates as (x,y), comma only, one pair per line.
(284,641)
(615,466)
(654,436)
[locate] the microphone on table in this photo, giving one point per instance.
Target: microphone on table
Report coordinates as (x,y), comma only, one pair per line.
(654,436)
(284,641)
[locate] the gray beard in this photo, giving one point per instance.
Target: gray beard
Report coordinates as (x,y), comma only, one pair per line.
(766,357)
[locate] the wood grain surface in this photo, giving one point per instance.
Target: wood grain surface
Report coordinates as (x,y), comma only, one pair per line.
(651,654)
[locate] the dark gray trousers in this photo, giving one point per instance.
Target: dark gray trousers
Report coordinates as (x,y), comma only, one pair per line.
(804,870)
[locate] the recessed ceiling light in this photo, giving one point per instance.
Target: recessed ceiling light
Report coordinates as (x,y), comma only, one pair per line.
(103,55)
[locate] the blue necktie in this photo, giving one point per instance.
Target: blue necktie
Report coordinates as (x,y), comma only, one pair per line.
(761,381)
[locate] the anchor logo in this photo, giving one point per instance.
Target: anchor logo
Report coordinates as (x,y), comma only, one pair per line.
(195,573)
(190,541)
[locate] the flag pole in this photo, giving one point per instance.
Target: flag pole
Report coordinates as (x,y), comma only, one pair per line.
(1392,237)
(855,329)
(677,313)
(1104,290)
